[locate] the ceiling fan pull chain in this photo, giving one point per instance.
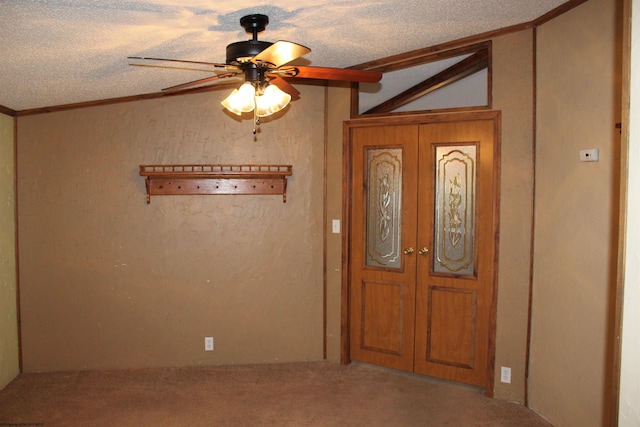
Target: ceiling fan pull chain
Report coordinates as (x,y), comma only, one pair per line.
(256,119)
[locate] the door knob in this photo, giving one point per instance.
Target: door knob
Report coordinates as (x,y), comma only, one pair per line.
(409,250)
(423,251)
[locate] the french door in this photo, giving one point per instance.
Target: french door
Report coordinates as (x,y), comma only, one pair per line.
(422,245)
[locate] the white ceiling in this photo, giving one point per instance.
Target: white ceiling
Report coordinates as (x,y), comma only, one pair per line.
(68,51)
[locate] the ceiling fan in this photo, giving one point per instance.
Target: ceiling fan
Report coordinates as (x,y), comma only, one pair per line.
(263,65)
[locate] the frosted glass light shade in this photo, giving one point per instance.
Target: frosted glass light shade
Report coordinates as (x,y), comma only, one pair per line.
(271,101)
(241,100)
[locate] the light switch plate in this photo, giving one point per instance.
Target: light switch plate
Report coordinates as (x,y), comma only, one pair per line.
(505,375)
(208,343)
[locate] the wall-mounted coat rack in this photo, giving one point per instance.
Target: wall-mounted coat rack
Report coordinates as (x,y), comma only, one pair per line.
(162,180)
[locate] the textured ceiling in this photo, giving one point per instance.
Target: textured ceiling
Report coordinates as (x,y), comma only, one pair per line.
(68,51)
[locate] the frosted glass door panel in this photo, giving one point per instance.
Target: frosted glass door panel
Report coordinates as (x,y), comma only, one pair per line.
(455,209)
(384,202)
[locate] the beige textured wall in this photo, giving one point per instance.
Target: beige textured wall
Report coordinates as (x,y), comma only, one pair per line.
(108,281)
(512,60)
(9,365)
(576,211)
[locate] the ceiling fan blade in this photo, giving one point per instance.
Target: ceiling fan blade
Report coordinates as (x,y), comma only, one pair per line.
(284,86)
(210,64)
(203,81)
(324,73)
(280,53)
(171,67)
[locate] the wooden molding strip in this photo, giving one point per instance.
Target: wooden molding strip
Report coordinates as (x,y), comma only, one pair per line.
(437,52)
(109,101)
(565,7)
(418,57)
(8,111)
(466,67)
(615,340)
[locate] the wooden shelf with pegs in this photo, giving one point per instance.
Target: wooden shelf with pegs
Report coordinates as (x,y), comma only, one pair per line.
(163,180)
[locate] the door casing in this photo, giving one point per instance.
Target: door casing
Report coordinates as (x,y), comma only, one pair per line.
(346,214)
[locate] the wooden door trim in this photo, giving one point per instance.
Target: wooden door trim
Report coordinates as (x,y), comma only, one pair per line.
(493,314)
(346,215)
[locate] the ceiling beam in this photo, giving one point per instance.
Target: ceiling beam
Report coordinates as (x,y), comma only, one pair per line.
(466,67)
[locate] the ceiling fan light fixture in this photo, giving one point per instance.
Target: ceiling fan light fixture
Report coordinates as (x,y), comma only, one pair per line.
(240,100)
(271,101)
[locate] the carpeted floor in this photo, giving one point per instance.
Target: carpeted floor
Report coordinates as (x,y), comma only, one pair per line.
(298,394)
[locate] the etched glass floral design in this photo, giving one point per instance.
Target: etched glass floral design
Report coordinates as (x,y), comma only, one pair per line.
(383,215)
(455,209)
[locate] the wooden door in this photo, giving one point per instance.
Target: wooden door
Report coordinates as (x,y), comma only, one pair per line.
(455,278)
(382,277)
(422,247)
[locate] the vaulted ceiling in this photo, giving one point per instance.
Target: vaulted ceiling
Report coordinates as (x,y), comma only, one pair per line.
(72,51)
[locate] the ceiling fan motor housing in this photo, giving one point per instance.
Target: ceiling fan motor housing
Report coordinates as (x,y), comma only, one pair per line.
(240,52)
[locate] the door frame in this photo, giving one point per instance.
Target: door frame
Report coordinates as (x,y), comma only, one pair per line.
(347,190)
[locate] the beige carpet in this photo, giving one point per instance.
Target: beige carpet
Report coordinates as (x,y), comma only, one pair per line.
(299,394)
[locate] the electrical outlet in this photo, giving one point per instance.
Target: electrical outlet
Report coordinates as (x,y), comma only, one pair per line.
(505,375)
(208,343)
